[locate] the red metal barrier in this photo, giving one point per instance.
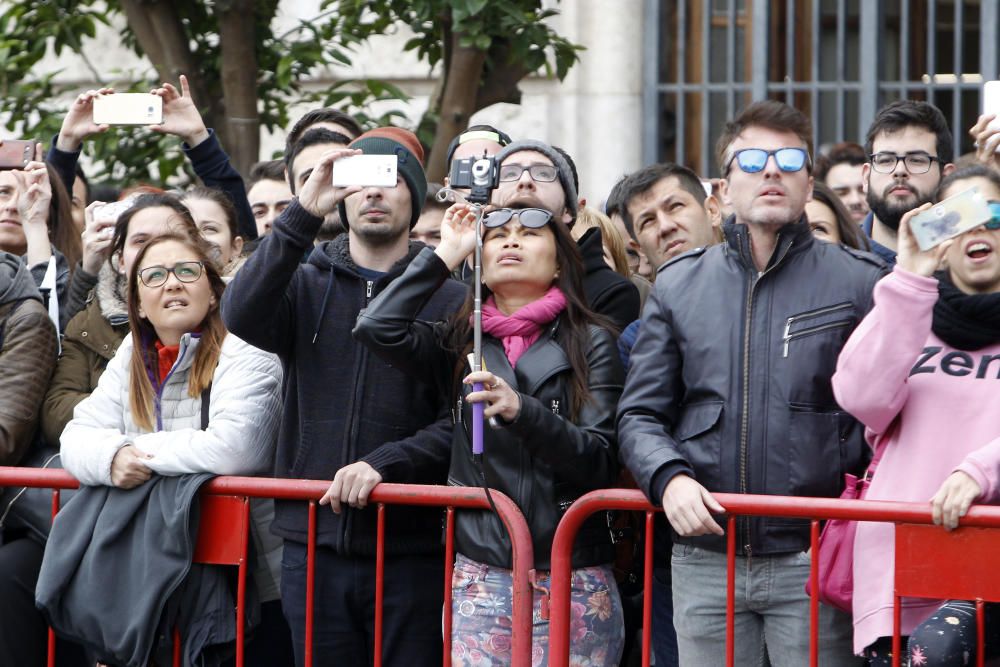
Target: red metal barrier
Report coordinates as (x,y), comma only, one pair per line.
(814,509)
(448,497)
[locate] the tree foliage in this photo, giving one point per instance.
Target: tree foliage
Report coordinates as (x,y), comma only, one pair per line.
(244,74)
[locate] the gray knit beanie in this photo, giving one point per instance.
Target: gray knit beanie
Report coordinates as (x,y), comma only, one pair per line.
(565,173)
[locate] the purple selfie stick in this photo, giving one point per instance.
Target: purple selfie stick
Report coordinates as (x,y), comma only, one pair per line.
(477,337)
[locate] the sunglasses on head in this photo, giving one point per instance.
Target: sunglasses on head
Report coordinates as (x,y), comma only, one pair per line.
(994,223)
(753,160)
(532,218)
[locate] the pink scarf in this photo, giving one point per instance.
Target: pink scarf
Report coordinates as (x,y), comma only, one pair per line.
(521,329)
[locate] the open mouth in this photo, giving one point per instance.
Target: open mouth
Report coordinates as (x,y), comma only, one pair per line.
(978,250)
(174,304)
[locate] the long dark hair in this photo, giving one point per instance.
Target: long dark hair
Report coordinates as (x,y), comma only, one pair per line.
(145,359)
(573,333)
(849,231)
(220,198)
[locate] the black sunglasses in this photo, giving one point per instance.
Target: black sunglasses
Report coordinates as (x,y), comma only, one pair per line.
(532,218)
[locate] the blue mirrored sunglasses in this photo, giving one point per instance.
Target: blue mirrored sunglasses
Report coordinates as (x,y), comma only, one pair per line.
(752,160)
(994,223)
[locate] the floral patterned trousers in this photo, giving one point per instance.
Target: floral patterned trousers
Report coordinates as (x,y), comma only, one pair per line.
(481,617)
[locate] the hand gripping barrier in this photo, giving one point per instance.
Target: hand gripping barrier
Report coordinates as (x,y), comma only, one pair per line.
(926,556)
(448,497)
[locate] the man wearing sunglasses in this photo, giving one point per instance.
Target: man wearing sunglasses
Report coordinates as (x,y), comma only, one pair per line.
(729,392)
(535,174)
(909,147)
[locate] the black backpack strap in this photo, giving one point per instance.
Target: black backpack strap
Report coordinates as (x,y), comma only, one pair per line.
(206,403)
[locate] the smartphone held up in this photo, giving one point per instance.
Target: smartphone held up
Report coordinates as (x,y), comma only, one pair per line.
(128,109)
(16,153)
(951,217)
(365,170)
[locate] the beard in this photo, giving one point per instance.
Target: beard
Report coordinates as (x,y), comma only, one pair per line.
(891,214)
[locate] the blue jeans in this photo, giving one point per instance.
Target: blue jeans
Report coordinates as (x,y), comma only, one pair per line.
(344,613)
(772,612)
(664,635)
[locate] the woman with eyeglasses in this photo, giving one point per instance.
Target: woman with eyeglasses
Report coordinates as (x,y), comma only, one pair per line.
(551,380)
(933,339)
(146,417)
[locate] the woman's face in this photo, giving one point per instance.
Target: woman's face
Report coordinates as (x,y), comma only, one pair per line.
(12,237)
(211,221)
(180,303)
(146,224)
(974,257)
(822,221)
(519,260)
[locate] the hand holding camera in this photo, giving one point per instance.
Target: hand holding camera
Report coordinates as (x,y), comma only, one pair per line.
(180,115)
(98,231)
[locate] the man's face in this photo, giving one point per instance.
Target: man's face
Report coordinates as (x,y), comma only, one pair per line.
(302,167)
(428,227)
(769,196)
(525,191)
(379,216)
(848,183)
(893,194)
(668,220)
(268,198)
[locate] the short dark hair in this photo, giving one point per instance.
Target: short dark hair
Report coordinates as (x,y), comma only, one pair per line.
(266,170)
(502,138)
(770,114)
(846,152)
(640,182)
(616,198)
(912,113)
(313,137)
(322,115)
(975,171)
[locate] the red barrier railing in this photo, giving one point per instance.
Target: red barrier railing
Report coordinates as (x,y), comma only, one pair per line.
(448,497)
(813,509)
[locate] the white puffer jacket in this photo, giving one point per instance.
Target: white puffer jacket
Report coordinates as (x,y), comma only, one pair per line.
(242,420)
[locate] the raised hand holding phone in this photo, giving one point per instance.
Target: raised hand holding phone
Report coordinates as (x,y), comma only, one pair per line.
(909,255)
(318,195)
(180,114)
(78,124)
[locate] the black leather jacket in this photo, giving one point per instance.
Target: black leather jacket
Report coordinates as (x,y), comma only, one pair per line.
(541,459)
(730,377)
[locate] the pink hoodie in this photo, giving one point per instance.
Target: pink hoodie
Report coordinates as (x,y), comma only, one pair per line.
(946,400)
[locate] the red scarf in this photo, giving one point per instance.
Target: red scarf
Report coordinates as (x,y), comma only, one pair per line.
(519,330)
(167,356)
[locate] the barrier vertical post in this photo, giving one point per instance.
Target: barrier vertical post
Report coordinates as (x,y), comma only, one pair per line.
(449,571)
(647,585)
(731,591)
(241,586)
(310,582)
(814,593)
(51,635)
(379,581)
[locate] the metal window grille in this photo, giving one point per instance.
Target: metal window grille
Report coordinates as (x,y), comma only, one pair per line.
(838,61)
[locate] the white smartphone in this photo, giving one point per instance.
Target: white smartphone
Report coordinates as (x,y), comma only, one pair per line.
(128,109)
(365,170)
(991,102)
(111,212)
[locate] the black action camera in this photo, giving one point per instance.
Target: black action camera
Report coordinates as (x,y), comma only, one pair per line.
(480,176)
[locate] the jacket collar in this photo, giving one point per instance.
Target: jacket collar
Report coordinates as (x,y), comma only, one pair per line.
(336,255)
(542,360)
(591,246)
(109,293)
(793,238)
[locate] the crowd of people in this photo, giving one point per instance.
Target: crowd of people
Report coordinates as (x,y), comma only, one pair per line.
(766,332)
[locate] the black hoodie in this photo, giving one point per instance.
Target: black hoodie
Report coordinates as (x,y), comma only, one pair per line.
(342,403)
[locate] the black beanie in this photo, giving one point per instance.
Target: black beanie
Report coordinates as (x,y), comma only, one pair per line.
(409,157)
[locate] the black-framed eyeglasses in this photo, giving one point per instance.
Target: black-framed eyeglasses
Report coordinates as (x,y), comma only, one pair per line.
(753,160)
(917,162)
(532,218)
(542,173)
(186,272)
